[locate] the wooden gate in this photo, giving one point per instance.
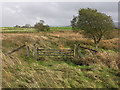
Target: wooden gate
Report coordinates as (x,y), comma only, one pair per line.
(55,52)
(39,52)
(42,52)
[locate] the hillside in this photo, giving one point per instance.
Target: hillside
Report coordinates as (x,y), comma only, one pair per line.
(90,70)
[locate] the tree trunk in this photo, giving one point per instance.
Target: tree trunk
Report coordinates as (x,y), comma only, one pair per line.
(97,46)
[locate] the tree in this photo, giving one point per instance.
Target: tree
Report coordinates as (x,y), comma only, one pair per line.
(94,24)
(74,24)
(41,27)
(47,27)
(17,26)
(42,21)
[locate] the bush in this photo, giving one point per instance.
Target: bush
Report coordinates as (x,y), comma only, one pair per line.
(41,27)
(94,24)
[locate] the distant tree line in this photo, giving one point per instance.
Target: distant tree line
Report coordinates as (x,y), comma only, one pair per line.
(26,26)
(39,26)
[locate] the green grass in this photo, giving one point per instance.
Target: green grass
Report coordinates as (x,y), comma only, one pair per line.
(29,30)
(27,72)
(19,31)
(61,28)
(73,76)
(56,73)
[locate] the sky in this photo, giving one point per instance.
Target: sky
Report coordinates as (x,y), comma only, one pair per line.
(53,13)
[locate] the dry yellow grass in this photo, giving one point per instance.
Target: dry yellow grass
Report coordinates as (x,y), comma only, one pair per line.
(33,74)
(105,44)
(110,44)
(109,59)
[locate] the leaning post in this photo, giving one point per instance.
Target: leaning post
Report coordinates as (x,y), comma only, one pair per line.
(27,51)
(78,50)
(35,51)
(74,49)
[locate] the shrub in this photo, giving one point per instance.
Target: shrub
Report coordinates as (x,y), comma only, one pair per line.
(41,27)
(94,23)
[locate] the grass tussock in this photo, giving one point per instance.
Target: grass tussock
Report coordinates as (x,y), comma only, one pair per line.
(55,74)
(87,70)
(109,59)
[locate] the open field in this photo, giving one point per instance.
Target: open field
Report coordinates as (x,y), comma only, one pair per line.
(90,70)
(30,30)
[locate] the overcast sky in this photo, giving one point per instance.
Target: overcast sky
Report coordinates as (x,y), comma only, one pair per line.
(53,13)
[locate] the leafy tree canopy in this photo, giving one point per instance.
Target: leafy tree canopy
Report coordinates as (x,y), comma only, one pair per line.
(41,27)
(94,23)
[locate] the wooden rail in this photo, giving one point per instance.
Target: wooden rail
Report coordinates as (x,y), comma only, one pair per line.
(38,52)
(55,49)
(55,52)
(17,49)
(27,49)
(88,48)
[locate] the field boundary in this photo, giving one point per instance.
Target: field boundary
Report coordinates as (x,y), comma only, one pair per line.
(42,52)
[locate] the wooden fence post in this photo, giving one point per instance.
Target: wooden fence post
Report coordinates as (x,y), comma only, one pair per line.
(74,49)
(35,51)
(27,51)
(37,54)
(78,50)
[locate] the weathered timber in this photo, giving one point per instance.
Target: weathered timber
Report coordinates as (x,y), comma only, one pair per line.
(88,48)
(55,49)
(78,51)
(54,55)
(74,49)
(27,51)
(55,52)
(17,49)
(35,51)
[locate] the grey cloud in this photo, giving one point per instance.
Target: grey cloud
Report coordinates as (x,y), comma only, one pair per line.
(53,13)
